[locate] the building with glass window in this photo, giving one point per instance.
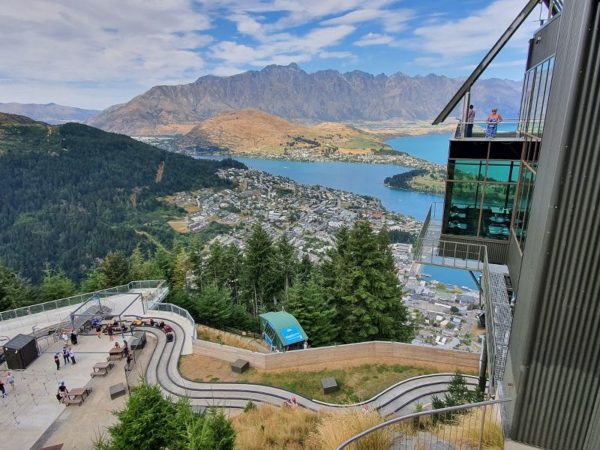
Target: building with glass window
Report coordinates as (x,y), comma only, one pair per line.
(523,208)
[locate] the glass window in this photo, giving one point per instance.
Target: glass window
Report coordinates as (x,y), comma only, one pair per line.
(499,171)
(467,170)
(463,208)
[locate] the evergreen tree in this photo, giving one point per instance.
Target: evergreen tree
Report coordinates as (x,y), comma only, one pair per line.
(286,264)
(94,281)
(55,285)
(362,284)
(212,306)
(305,268)
(115,268)
(15,291)
(181,268)
(257,271)
(137,264)
(150,422)
(308,304)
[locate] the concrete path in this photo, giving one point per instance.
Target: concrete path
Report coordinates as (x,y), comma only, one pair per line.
(163,370)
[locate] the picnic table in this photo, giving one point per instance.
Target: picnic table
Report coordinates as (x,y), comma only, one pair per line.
(115,353)
(77,395)
(101,368)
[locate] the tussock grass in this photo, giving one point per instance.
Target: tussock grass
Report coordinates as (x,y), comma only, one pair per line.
(337,428)
(268,427)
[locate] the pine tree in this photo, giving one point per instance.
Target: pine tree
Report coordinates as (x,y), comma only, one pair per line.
(55,285)
(257,270)
(181,269)
(115,269)
(136,264)
(15,291)
(361,283)
(94,281)
(305,268)
(286,264)
(212,306)
(307,303)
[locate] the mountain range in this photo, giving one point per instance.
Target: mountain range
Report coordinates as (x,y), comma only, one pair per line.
(292,93)
(50,113)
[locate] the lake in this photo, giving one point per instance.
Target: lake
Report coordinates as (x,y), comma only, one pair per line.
(367,179)
(432,147)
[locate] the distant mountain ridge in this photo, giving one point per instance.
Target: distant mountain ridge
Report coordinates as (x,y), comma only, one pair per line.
(292,93)
(50,113)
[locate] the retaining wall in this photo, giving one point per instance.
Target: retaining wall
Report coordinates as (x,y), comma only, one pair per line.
(366,352)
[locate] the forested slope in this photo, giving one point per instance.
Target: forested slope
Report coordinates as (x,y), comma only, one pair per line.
(71,193)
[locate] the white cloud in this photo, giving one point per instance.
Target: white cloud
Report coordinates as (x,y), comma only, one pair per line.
(443,42)
(374,39)
(281,48)
(108,41)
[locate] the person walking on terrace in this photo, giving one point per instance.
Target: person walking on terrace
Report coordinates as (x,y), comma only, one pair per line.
(57,361)
(470,120)
(492,123)
(10,379)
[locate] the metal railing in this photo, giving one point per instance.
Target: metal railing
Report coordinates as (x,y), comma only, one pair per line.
(169,307)
(472,426)
(508,128)
(81,298)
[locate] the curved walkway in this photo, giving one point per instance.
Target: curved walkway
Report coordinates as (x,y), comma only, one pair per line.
(163,370)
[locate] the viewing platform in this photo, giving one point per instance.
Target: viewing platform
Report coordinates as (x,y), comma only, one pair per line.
(431,249)
(42,318)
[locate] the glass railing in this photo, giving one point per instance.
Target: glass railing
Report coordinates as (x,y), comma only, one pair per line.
(169,307)
(81,298)
(507,129)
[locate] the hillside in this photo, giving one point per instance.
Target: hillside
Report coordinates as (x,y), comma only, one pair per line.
(49,113)
(255,132)
(70,193)
(292,93)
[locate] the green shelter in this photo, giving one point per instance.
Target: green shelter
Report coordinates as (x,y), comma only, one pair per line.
(282,331)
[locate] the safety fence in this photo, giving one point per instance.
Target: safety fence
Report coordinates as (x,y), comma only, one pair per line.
(472,426)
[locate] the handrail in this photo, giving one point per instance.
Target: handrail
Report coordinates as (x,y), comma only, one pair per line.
(396,420)
(170,307)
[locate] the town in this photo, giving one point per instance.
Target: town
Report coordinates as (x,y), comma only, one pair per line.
(444,316)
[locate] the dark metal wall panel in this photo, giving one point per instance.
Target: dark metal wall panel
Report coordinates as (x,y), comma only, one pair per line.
(514,262)
(543,44)
(554,347)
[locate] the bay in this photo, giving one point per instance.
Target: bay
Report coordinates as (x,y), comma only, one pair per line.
(363,179)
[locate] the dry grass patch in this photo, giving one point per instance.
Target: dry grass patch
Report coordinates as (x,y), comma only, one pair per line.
(270,428)
(225,338)
(337,428)
(180,226)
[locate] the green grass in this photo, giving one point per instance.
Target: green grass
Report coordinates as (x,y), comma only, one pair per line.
(356,383)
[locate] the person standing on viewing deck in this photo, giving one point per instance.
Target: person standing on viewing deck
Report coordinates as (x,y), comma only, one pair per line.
(492,123)
(470,120)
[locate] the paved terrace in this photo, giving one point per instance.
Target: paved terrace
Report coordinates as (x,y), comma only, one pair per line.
(31,413)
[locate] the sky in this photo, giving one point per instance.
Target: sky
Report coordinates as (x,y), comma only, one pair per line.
(97,53)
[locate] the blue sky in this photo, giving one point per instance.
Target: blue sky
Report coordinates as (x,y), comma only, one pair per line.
(97,53)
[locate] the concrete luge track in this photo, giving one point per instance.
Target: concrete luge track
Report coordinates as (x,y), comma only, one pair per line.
(163,370)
